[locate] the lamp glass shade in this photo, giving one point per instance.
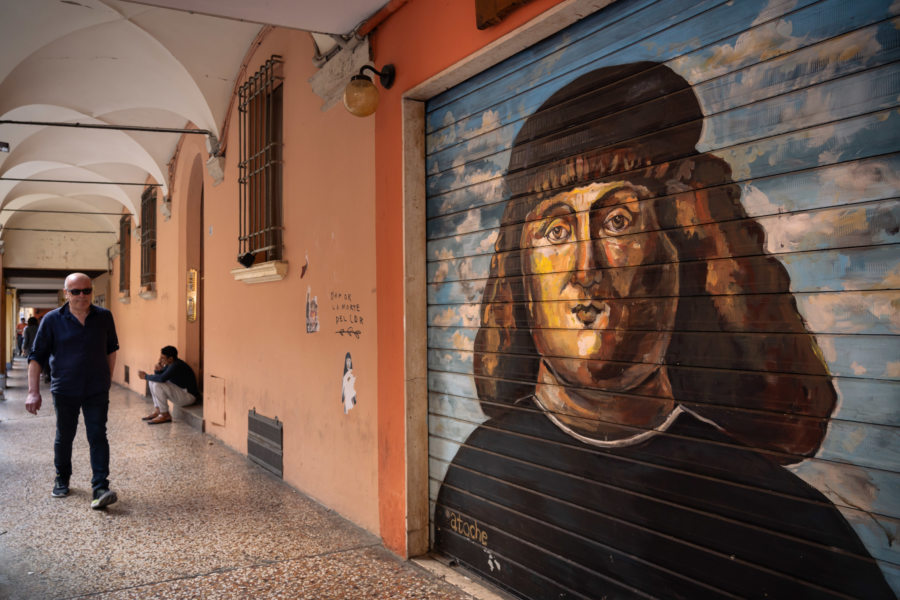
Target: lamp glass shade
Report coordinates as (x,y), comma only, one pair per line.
(361,96)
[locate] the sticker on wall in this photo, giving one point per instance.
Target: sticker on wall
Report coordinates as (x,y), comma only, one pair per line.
(348,385)
(312,312)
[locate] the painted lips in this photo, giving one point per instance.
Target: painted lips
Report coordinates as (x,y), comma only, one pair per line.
(588,313)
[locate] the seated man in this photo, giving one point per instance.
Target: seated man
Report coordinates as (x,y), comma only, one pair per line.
(173,380)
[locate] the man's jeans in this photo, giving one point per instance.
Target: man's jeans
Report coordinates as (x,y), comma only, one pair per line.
(95,409)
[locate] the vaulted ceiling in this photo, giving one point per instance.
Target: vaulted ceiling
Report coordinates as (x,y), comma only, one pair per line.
(120,65)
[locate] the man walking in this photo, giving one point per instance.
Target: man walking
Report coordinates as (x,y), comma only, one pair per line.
(20,331)
(173,380)
(78,343)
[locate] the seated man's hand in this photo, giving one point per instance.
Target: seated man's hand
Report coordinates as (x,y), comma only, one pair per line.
(142,374)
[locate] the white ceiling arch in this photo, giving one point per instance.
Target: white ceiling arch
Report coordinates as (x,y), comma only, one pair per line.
(107,63)
(123,64)
(80,148)
(111,63)
(85,198)
(84,156)
(43,211)
(104,68)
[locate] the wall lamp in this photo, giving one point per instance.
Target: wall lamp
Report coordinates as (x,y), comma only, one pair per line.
(361,95)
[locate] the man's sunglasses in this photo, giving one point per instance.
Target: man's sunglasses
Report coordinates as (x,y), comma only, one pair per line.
(85,291)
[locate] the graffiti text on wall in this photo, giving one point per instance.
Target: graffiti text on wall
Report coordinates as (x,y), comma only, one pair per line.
(348,317)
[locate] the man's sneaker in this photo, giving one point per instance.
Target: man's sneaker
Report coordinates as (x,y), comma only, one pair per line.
(60,488)
(103,498)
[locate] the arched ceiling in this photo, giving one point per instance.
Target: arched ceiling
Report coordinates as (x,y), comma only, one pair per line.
(125,64)
(106,62)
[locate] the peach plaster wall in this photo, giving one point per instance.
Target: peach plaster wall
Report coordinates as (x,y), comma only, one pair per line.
(144,325)
(255,334)
(421,39)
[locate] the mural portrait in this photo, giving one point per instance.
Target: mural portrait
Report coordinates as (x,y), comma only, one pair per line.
(651,395)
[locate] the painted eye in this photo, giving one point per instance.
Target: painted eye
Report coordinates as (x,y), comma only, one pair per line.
(557,234)
(617,221)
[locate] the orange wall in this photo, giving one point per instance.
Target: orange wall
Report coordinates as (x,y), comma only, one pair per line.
(144,325)
(422,38)
(343,210)
(255,334)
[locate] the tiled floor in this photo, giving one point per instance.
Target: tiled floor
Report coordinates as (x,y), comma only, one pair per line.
(194,520)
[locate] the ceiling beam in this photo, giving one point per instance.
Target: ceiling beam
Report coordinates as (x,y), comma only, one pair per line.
(107,126)
(79,181)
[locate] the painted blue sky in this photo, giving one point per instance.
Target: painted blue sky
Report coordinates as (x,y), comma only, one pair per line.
(801,99)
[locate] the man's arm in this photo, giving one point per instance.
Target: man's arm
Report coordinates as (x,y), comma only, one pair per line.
(33,400)
(164,375)
(111,359)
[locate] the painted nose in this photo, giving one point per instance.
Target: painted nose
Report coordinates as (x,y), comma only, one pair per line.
(587,266)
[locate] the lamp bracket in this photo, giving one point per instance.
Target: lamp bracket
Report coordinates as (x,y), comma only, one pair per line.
(385,76)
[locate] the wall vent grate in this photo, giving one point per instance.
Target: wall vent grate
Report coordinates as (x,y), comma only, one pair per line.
(265,442)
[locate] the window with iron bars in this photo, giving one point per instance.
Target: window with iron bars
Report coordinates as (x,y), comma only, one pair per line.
(148,238)
(260,110)
(125,255)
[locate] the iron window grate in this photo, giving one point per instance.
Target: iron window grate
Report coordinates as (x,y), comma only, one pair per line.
(125,254)
(260,110)
(148,237)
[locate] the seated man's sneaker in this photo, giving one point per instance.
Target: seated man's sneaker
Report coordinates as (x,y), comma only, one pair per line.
(60,488)
(103,498)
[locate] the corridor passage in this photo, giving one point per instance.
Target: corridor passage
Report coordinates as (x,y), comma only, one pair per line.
(195,519)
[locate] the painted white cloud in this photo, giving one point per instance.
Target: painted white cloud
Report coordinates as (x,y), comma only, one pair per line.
(445,318)
(773,9)
(892,369)
(470,315)
(852,226)
(757,203)
(441,273)
(888,309)
(472,222)
(861,179)
(443,269)
(850,313)
(847,485)
(465,314)
(757,44)
(826,345)
(487,244)
(461,342)
(487,188)
(786,233)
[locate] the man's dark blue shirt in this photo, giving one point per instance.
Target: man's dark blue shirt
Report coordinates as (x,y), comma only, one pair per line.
(181,374)
(76,353)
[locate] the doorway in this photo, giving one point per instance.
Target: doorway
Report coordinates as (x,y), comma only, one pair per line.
(194,255)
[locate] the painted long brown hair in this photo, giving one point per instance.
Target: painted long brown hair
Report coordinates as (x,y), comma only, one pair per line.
(641,122)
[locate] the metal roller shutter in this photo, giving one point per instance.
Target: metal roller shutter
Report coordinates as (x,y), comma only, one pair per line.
(663,303)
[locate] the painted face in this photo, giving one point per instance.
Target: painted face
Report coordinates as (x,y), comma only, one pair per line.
(601,285)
